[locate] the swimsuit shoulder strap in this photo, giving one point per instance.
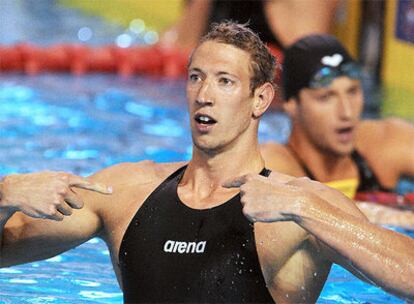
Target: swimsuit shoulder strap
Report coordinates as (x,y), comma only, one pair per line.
(265,172)
(367,179)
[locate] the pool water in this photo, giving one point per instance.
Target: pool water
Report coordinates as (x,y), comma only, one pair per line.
(83,124)
(83,275)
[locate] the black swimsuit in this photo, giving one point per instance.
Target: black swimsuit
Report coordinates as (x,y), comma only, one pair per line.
(243,11)
(368,182)
(172,253)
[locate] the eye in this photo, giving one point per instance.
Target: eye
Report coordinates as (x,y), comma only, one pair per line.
(324,97)
(226,81)
(355,90)
(194,77)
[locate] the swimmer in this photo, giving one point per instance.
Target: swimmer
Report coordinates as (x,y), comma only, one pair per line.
(176,235)
(329,142)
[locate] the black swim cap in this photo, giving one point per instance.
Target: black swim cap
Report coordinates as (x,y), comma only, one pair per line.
(306,57)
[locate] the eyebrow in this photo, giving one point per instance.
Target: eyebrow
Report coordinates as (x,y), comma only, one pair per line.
(218,73)
(195,70)
(226,73)
(322,91)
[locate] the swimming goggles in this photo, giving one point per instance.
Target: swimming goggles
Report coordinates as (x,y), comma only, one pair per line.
(324,77)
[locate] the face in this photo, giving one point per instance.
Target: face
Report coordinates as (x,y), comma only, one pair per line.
(218,93)
(329,116)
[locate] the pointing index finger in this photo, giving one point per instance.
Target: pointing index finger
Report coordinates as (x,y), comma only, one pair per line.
(79,182)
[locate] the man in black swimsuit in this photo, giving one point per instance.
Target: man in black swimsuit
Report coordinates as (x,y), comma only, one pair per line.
(328,141)
(176,235)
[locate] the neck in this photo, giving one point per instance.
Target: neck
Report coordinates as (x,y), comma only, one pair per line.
(201,186)
(323,165)
(214,168)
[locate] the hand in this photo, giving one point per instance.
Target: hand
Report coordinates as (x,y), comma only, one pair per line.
(281,197)
(45,194)
(269,199)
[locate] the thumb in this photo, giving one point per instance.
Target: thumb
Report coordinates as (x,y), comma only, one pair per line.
(235,182)
(280,177)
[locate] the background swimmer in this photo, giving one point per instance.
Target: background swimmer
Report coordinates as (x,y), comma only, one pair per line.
(329,142)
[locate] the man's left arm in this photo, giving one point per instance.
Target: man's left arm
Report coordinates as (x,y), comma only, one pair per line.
(378,255)
(383,257)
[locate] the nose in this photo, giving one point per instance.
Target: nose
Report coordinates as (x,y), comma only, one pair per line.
(345,107)
(204,96)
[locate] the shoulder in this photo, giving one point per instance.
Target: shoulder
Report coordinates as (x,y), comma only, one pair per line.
(137,173)
(391,134)
(393,142)
(384,130)
(131,184)
(275,155)
(128,181)
(278,158)
(272,147)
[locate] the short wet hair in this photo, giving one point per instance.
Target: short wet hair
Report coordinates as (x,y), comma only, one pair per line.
(263,63)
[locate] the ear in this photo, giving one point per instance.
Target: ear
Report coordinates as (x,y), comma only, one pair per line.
(263,97)
(291,107)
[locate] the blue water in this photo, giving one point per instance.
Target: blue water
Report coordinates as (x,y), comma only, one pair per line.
(82,124)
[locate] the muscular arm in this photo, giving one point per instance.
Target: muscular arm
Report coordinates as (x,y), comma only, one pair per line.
(29,237)
(40,216)
(302,277)
(381,256)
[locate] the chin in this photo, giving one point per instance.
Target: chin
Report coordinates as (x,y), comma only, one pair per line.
(344,150)
(205,146)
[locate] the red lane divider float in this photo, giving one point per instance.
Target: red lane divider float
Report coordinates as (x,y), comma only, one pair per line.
(81,59)
(388,199)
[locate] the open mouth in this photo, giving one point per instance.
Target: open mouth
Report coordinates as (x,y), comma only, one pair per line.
(345,130)
(345,135)
(204,119)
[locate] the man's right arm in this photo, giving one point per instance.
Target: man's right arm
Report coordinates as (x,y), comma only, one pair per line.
(40,216)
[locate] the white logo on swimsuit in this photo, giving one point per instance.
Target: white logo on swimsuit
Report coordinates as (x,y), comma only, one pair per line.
(184,247)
